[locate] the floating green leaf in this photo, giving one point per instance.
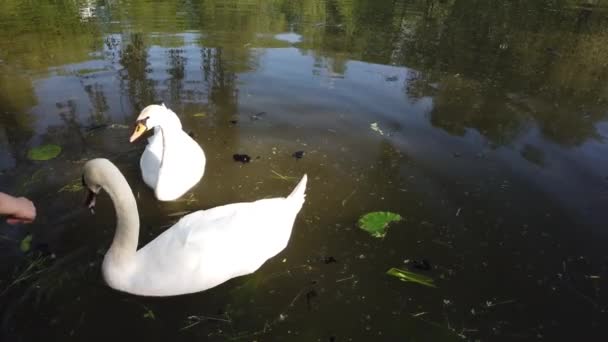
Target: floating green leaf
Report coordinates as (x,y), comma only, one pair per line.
(44,152)
(377,222)
(411,277)
(149,314)
(200,115)
(26,243)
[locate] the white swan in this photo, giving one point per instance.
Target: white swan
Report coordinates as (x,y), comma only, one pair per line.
(172,162)
(202,250)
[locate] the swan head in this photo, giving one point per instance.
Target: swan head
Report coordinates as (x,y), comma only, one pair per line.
(94,178)
(154,116)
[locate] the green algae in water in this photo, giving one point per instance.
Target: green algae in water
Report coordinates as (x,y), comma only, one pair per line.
(44,152)
(74,186)
(26,243)
(377,222)
(412,277)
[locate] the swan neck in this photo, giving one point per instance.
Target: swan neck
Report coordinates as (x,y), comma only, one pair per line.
(168,136)
(126,237)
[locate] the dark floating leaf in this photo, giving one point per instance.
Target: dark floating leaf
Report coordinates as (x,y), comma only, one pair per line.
(243,158)
(329,260)
(377,222)
(234,122)
(408,276)
(424,265)
(26,243)
(44,152)
(298,154)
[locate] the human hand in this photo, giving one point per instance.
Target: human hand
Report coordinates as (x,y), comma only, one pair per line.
(24,211)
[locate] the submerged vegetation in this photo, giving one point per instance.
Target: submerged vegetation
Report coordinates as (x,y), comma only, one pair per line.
(481,86)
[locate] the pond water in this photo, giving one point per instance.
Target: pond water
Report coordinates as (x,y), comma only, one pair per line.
(483,124)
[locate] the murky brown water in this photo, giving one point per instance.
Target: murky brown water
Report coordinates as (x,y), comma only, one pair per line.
(493,148)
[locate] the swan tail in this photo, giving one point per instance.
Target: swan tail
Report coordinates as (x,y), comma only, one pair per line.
(298,191)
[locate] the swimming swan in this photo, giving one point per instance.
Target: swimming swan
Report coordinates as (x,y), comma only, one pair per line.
(202,250)
(172,162)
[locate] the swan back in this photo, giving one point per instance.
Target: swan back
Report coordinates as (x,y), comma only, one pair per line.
(208,247)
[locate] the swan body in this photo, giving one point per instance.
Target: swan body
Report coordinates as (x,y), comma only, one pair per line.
(172,162)
(202,250)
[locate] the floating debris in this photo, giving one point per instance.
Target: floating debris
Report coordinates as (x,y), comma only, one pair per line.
(243,158)
(424,265)
(282,177)
(377,222)
(44,152)
(200,115)
(412,277)
(374,126)
(329,260)
(257,116)
(298,154)
(234,122)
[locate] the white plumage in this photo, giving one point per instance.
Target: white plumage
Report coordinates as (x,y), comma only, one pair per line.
(172,162)
(202,250)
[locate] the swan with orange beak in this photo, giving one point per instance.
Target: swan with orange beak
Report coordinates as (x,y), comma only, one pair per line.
(172,162)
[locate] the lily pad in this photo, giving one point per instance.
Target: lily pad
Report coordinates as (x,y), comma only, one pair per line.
(44,152)
(26,243)
(412,277)
(377,222)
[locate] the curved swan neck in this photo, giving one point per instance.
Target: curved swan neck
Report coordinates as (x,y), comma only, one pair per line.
(168,134)
(127,217)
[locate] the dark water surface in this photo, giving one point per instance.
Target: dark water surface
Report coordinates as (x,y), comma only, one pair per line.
(493,119)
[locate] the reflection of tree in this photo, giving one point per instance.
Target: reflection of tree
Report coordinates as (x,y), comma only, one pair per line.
(501,53)
(36,34)
(177,64)
(16,98)
(98,100)
(221,82)
(134,59)
(461,104)
(72,134)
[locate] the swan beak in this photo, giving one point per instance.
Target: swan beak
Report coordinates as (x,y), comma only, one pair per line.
(140,128)
(90,201)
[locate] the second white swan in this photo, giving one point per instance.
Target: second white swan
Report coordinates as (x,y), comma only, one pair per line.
(172,162)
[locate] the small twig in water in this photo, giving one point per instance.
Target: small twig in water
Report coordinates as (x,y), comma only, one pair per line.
(348,197)
(280,176)
(345,279)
